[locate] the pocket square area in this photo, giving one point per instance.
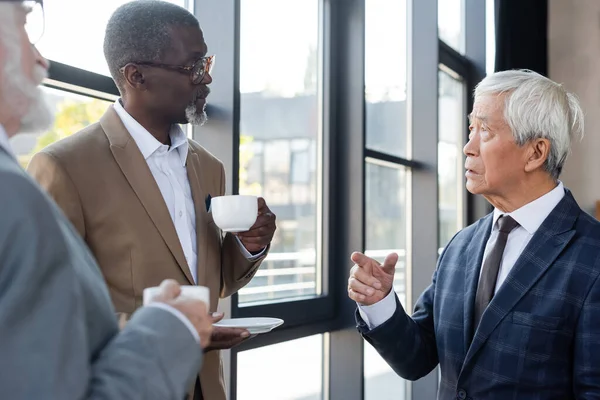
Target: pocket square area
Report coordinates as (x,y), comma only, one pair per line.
(207,202)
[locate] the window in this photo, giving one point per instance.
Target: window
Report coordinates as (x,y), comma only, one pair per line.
(73,113)
(385,76)
(490,36)
(288,95)
(381,382)
(385,174)
(451,23)
(385,233)
(79,42)
(280,118)
(286,371)
(386,217)
(452,131)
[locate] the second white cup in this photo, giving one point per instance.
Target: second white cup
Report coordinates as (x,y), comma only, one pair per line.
(234,213)
(201,293)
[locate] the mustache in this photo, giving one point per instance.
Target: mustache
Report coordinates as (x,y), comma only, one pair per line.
(202,93)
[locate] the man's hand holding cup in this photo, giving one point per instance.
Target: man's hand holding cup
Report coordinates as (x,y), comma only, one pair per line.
(194,305)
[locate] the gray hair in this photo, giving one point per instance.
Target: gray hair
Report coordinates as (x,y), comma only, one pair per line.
(537,107)
(139,31)
(19,93)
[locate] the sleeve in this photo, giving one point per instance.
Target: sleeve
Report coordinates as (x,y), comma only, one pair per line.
(247,254)
(54,179)
(180,316)
(407,343)
(586,348)
(236,268)
(376,314)
(60,340)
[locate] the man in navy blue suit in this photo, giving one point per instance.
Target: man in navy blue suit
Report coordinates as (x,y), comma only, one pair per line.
(513,310)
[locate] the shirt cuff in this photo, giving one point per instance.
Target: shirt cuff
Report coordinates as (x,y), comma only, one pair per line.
(378,313)
(179,316)
(247,254)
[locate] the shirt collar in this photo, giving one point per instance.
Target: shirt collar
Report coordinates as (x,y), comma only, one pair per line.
(148,143)
(5,143)
(533,214)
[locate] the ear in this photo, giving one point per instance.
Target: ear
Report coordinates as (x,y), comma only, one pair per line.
(134,77)
(537,154)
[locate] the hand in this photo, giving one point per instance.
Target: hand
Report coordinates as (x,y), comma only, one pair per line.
(226,338)
(370,282)
(261,233)
(195,310)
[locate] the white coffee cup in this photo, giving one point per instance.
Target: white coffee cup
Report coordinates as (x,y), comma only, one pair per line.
(234,213)
(201,293)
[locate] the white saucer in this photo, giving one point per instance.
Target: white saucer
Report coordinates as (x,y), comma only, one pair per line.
(253,325)
(235,230)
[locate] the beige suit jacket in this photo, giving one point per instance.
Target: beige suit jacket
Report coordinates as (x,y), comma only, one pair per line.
(102,182)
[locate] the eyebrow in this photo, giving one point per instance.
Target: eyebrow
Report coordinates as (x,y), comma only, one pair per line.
(482,118)
(195,56)
(200,53)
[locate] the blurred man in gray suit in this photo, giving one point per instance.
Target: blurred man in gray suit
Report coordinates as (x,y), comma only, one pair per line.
(59,337)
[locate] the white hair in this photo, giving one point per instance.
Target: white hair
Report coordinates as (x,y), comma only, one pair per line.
(19,93)
(537,107)
(194,116)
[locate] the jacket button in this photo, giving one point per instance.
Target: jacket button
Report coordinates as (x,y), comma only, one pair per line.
(461,394)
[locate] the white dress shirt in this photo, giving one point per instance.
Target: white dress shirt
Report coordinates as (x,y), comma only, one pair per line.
(5,144)
(167,164)
(529,217)
(168,167)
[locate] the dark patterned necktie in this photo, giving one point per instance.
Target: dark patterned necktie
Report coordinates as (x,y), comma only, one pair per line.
(490,268)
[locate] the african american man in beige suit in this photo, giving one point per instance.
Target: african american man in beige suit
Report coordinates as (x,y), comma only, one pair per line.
(138,190)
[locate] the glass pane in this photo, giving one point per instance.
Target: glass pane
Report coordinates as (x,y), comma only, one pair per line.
(451,23)
(386,216)
(280,145)
(452,133)
(84,48)
(490,37)
(385,76)
(381,382)
(286,371)
(73,113)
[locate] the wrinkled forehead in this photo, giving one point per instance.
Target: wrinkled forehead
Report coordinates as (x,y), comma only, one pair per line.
(488,107)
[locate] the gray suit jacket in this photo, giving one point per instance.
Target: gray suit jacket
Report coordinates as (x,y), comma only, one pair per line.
(59,337)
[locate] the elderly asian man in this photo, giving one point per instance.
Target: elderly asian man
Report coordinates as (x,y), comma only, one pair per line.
(513,310)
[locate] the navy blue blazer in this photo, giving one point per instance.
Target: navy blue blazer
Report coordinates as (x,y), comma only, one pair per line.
(538,339)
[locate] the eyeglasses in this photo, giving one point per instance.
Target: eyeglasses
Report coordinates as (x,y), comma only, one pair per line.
(197,71)
(35,23)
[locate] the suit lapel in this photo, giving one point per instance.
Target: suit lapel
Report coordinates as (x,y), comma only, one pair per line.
(473,266)
(545,246)
(200,208)
(136,171)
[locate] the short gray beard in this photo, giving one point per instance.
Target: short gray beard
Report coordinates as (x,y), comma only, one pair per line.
(194,116)
(24,97)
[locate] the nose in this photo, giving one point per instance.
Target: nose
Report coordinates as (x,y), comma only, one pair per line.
(471,149)
(207,79)
(40,60)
